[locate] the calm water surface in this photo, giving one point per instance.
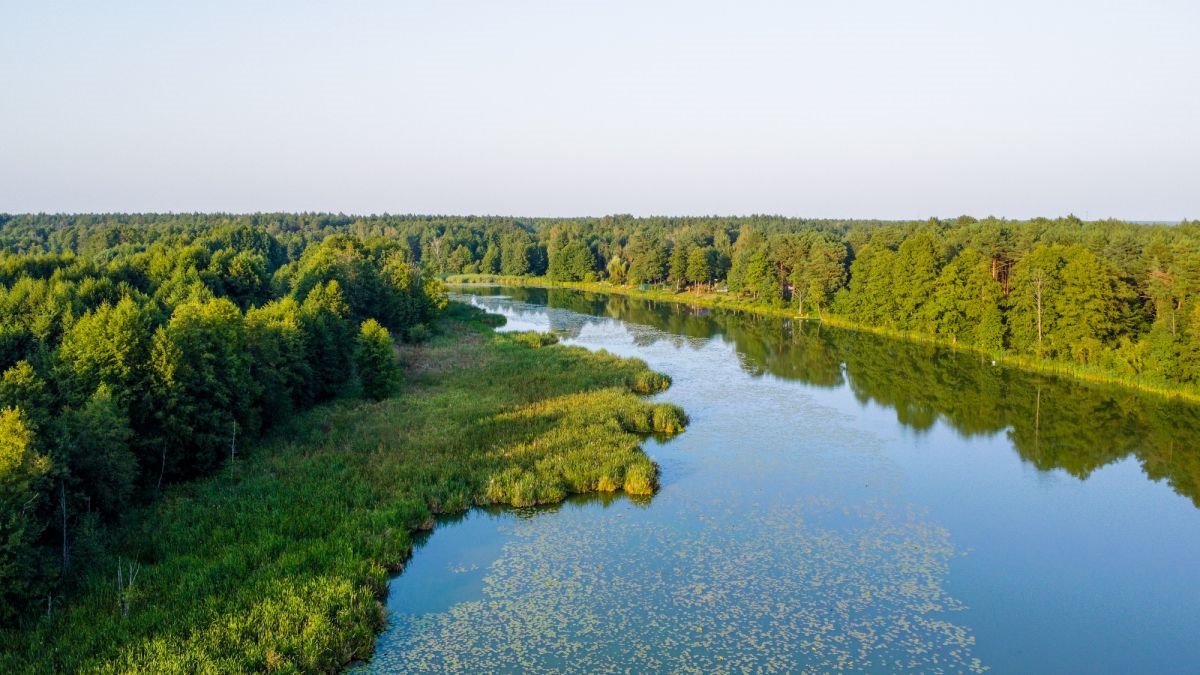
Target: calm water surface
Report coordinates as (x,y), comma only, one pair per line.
(839,501)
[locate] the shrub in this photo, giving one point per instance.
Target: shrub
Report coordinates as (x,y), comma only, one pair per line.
(418,333)
(534,339)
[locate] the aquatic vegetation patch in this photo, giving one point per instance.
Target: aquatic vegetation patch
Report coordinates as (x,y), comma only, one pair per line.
(781,590)
(649,382)
(668,418)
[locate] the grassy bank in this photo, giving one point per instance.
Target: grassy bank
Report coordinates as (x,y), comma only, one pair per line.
(717,300)
(278,563)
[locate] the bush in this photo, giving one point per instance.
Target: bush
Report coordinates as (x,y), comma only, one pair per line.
(534,339)
(418,333)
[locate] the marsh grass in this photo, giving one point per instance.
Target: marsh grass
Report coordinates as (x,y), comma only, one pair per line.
(279,562)
(535,339)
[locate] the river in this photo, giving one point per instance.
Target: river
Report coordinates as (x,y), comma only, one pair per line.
(840,501)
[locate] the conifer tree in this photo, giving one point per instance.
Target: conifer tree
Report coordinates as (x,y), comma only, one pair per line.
(375,361)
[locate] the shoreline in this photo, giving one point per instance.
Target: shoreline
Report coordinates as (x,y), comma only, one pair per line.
(710,300)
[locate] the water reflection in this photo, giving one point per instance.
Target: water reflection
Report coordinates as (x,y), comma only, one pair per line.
(1053,423)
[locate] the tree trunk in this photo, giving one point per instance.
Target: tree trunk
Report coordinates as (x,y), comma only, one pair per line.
(1037,423)
(62,505)
(1039,314)
(162,469)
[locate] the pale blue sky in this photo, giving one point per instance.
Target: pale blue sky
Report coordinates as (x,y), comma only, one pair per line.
(850,108)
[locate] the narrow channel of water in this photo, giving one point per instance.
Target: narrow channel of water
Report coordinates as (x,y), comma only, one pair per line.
(840,501)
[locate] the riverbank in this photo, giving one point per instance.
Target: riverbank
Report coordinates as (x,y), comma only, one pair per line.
(279,562)
(727,301)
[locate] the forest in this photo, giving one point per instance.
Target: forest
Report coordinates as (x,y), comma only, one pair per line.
(1113,296)
(155,358)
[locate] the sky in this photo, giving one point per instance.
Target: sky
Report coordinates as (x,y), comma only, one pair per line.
(832,108)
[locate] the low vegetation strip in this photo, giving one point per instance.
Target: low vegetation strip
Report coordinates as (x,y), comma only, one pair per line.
(279,561)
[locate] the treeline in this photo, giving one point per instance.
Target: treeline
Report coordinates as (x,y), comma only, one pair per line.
(1114,296)
(1117,297)
(135,354)
(1111,295)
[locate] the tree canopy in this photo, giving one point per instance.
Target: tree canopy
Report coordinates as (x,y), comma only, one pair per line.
(137,351)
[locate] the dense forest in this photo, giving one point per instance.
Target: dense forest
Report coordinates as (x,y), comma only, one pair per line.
(1110,295)
(136,353)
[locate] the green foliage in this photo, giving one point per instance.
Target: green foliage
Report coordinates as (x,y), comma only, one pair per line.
(21,387)
(279,562)
(677,264)
(966,303)
(667,418)
(573,262)
(418,333)
(617,270)
(702,265)
(375,361)
(202,386)
(86,303)
(325,317)
(96,441)
(276,343)
(109,345)
(490,264)
(1127,287)
(23,475)
(534,339)
(648,260)
(149,355)
(649,382)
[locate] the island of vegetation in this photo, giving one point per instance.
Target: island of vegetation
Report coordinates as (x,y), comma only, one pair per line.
(217,436)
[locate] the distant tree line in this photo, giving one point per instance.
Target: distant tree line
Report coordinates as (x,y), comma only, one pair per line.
(136,352)
(1110,294)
